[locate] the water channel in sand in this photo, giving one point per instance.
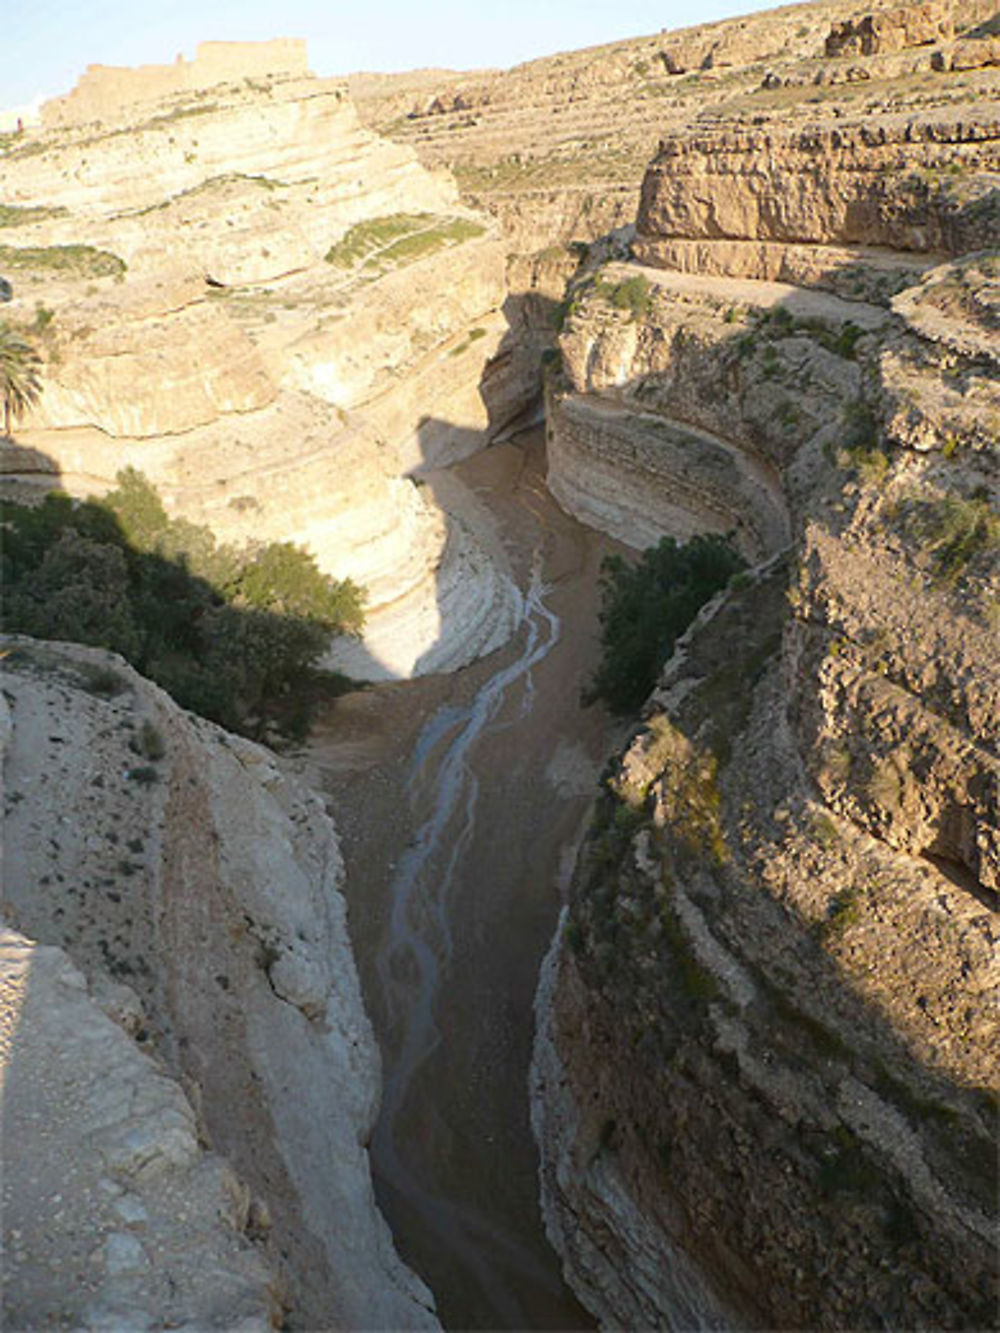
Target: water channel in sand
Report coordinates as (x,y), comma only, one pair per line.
(460,800)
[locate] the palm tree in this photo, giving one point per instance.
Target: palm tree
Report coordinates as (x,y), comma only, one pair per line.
(20,385)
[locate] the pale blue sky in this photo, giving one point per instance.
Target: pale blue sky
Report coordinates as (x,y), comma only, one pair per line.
(48,43)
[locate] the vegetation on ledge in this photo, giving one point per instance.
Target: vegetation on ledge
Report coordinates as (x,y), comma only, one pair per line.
(379,244)
(234,634)
(75,261)
(647,606)
(19,215)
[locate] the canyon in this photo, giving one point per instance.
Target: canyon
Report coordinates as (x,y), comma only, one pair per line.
(685,1020)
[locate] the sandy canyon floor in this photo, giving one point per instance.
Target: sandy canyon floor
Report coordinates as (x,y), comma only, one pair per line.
(460,800)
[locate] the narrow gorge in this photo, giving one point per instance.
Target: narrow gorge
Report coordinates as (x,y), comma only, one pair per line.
(477,1006)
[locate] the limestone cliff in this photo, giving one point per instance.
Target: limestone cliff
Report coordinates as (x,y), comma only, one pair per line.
(277,316)
(207,1165)
(765,1074)
(905,183)
(125,1219)
(556,149)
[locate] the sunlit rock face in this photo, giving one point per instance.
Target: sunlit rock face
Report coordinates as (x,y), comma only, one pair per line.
(764,1086)
(278,317)
(923,183)
(188,1068)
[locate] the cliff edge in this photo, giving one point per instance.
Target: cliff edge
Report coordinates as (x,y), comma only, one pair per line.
(765,1073)
(193,888)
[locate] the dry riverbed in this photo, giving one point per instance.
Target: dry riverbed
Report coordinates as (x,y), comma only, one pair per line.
(460,800)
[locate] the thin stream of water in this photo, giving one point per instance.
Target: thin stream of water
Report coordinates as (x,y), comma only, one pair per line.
(413,961)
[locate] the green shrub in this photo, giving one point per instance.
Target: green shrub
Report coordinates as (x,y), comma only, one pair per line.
(138,509)
(646,606)
(779,322)
(382,243)
(18,215)
(232,634)
(102,681)
(76,261)
(953,530)
(845,909)
(632,294)
(862,450)
(149,743)
(845,342)
(282,578)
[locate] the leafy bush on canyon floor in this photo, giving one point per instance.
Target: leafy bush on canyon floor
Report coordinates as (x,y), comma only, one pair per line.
(647,606)
(232,633)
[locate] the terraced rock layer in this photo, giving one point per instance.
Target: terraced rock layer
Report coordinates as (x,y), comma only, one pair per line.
(556,149)
(766,1061)
(277,339)
(910,183)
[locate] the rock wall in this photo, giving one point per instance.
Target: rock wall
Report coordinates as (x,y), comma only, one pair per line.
(767,1034)
(906,183)
(639,476)
(689,417)
(563,142)
(126,1218)
(196,887)
(296,324)
(301,131)
(891,30)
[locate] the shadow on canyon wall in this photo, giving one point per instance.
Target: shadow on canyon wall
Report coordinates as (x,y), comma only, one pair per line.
(80,571)
(750,392)
(673,1101)
(951,1121)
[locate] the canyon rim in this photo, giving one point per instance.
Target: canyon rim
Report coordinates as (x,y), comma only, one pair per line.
(683,1019)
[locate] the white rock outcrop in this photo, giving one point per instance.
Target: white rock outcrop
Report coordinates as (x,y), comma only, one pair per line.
(114,1215)
(264,390)
(197,889)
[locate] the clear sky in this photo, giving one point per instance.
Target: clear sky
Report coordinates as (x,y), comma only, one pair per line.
(48,43)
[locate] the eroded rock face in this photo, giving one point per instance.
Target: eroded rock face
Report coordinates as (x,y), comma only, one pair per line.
(124,1218)
(891,30)
(196,888)
(859,184)
(277,133)
(767,1031)
(276,334)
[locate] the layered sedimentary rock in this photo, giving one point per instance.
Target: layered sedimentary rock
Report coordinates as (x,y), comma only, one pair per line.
(891,30)
(556,148)
(765,1076)
(682,418)
(293,132)
(906,183)
(197,889)
(276,333)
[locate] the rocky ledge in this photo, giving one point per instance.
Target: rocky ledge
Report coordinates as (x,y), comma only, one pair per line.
(765,1074)
(183,1024)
